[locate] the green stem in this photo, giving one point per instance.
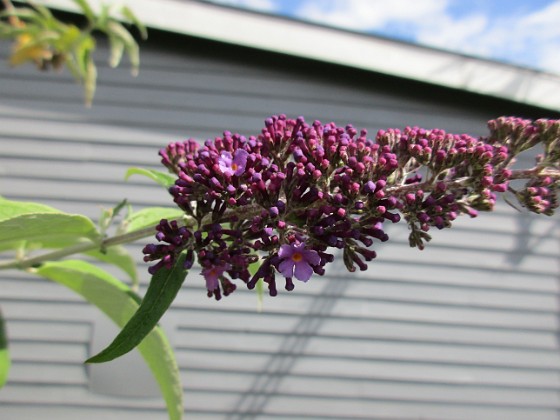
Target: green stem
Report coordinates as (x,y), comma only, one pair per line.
(78,248)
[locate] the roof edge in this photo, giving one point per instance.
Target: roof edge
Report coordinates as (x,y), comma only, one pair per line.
(320,43)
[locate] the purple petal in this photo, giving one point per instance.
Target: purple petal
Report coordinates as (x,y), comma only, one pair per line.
(224,163)
(286,267)
(286,251)
(240,160)
(226,158)
(303,271)
(312,257)
(211,275)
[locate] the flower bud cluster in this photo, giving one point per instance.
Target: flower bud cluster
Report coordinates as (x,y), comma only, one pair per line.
(276,203)
(540,193)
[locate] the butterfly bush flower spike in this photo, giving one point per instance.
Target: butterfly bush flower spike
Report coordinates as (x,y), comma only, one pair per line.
(277,203)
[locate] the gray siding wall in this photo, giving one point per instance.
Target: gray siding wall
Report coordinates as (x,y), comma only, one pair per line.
(467,329)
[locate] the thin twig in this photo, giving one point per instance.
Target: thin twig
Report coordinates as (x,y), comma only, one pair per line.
(78,249)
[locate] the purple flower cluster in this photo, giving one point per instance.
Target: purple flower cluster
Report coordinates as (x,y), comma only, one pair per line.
(277,202)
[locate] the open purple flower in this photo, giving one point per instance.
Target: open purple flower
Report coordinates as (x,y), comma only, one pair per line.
(297,261)
(212,276)
(233,165)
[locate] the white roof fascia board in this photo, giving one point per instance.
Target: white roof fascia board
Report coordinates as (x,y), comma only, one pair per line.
(300,39)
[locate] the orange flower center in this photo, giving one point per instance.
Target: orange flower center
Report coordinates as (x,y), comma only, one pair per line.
(297,257)
(234,166)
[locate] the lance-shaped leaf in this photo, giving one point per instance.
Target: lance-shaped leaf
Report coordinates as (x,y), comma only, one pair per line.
(129,15)
(51,230)
(164,179)
(164,286)
(116,29)
(86,10)
(118,302)
(24,13)
(90,80)
(151,216)
(9,208)
(116,48)
(4,353)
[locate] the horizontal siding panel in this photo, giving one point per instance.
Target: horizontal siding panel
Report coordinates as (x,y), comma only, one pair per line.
(378,112)
(364,329)
(316,307)
(341,390)
(111,193)
(86,152)
(36,290)
(345,351)
(460,275)
(84,171)
(75,396)
(72,412)
(48,374)
(48,352)
(450,315)
(195,362)
(539,264)
(454,296)
(79,332)
(78,130)
(47,311)
(281,406)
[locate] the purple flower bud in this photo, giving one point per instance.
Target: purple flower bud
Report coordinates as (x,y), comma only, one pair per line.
(369,187)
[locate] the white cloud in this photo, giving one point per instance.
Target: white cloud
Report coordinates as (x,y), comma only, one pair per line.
(368,14)
(531,39)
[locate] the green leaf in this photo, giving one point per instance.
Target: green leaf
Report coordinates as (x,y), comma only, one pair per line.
(151,216)
(103,17)
(44,12)
(86,10)
(119,257)
(90,81)
(82,53)
(118,302)
(162,178)
(164,286)
(4,353)
(48,228)
(69,38)
(116,29)
(24,13)
(9,208)
(9,31)
(116,50)
(130,16)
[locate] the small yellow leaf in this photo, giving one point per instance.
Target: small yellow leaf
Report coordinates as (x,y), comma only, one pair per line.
(36,53)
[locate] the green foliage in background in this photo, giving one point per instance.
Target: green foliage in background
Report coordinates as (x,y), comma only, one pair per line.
(41,38)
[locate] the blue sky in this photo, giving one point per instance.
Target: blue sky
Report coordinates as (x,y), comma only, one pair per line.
(521,32)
